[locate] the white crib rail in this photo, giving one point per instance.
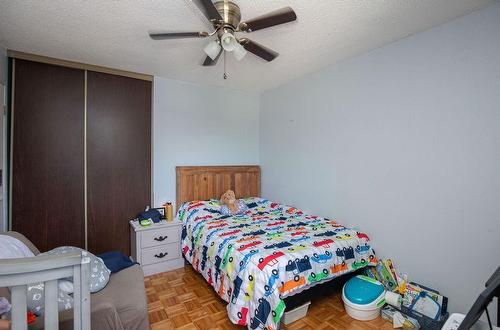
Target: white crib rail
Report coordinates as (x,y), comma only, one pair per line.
(18,273)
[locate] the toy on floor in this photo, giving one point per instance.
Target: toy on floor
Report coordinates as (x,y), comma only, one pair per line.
(393,298)
(412,301)
(424,301)
(31,317)
(386,273)
(5,308)
(398,319)
(363,297)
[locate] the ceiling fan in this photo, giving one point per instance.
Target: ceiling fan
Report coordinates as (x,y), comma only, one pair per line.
(225,17)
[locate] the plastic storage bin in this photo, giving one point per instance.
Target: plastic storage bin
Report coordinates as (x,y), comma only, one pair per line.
(363,297)
(295,314)
(424,321)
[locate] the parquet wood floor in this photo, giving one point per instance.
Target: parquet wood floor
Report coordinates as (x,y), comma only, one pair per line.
(182,299)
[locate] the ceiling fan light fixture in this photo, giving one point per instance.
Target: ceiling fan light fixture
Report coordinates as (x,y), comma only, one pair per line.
(229,42)
(212,49)
(239,52)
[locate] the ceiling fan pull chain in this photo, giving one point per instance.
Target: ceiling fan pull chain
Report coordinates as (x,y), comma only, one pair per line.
(225,73)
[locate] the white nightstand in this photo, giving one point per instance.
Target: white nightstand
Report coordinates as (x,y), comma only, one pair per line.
(157,247)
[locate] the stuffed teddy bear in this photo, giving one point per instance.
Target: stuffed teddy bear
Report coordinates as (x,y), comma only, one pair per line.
(230,204)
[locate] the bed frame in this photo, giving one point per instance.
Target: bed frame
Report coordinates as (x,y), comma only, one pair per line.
(207,182)
(18,273)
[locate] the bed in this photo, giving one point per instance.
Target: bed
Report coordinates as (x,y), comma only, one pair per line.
(272,251)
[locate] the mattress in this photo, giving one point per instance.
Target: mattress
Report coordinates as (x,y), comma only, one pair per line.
(255,259)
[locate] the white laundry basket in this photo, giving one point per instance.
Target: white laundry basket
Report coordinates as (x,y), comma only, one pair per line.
(295,314)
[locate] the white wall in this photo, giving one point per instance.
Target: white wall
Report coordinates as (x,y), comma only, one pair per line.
(3,65)
(403,142)
(199,125)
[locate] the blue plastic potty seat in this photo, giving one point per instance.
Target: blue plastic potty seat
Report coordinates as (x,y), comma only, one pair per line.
(363,290)
(363,297)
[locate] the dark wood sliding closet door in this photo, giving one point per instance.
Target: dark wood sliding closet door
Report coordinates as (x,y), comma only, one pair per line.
(118,158)
(48,152)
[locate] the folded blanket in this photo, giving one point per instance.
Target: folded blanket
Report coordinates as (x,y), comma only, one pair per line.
(116,261)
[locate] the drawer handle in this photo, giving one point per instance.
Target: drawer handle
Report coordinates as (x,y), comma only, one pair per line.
(161,255)
(161,238)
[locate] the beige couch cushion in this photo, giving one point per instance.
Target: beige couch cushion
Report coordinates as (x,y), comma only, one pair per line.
(125,291)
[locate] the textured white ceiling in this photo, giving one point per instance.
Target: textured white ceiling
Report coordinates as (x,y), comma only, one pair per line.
(113,33)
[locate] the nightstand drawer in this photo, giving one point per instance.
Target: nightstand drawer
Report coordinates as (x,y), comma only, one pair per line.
(157,237)
(161,253)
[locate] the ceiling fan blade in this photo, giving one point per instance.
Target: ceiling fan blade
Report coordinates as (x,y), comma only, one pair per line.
(258,49)
(177,35)
(209,62)
(208,9)
(280,16)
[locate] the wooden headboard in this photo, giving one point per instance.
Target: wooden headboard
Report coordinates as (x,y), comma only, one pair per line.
(206,182)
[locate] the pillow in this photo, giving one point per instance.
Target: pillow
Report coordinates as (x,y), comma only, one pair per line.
(99,277)
(199,209)
(11,247)
(242,207)
(35,299)
(66,286)
(116,261)
(99,273)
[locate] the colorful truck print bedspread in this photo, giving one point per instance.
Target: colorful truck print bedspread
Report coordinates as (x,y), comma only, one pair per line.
(255,259)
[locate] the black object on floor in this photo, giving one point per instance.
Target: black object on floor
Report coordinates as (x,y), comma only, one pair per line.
(482,302)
